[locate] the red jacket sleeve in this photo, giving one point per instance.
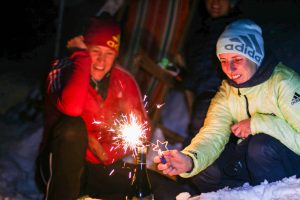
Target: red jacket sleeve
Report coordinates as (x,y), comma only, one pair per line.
(68,85)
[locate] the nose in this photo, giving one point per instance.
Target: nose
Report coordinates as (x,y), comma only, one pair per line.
(228,67)
(231,67)
(100,57)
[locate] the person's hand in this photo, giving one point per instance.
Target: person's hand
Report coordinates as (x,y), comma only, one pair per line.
(96,148)
(241,129)
(76,43)
(177,162)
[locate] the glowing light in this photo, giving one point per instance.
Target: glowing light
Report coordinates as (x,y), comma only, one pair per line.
(112,171)
(96,122)
(145,102)
(130,133)
(158,106)
(158,147)
(129,175)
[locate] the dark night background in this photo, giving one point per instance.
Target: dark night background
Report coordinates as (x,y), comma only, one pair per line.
(28,30)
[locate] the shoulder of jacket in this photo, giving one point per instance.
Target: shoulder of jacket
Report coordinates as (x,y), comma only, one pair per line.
(61,63)
(120,71)
(282,72)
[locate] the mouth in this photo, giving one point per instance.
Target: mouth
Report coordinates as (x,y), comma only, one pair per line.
(98,67)
(235,77)
(215,10)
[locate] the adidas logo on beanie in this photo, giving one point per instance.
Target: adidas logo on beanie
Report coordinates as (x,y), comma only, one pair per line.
(243,37)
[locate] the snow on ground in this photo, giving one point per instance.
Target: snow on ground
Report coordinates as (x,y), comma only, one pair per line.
(286,189)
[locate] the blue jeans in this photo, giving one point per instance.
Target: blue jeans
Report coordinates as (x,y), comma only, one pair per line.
(258,158)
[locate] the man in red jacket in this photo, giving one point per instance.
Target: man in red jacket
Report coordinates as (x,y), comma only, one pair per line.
(86,93)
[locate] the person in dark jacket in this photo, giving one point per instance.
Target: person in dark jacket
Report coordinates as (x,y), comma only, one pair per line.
(204,74)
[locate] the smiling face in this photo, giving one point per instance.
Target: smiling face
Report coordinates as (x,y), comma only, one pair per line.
(102,60)
(217,8)
(237,67)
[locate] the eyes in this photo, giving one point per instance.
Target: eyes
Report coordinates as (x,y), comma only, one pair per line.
(235,60)
(102,52)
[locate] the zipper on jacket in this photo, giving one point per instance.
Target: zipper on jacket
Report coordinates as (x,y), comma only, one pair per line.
(247,103)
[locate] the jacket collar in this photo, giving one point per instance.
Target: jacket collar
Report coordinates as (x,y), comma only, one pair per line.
(101,86)
(262,74)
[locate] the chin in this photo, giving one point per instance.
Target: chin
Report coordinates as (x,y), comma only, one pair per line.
(97,78)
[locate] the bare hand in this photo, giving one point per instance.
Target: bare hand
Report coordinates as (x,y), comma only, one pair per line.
(241,129)
(96,148)
(177,162)
(76,43)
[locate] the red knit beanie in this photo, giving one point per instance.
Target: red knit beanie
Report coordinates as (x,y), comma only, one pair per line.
(104,31)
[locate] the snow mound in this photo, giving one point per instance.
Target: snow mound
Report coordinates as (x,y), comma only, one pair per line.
(285,189)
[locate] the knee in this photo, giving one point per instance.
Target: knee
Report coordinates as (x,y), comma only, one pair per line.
(211,175)
(208,180)
(70,130)
(262,147)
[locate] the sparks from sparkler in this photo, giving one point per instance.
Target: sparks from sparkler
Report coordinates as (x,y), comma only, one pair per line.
(158,106)
(129,132)
(111,172)
(96,122)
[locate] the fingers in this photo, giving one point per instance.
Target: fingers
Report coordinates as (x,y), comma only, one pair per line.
(239,132)
(76,42)
(156,159)
(175,162)
(242,129)
(236,130)
(167,169)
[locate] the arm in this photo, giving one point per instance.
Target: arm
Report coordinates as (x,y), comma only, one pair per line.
(285,127)
(207,145)
(68,85)
(97,148)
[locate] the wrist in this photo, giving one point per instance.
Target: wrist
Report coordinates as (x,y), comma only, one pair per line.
(192,164)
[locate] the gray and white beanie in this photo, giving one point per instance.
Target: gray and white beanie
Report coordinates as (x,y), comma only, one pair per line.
(243,37)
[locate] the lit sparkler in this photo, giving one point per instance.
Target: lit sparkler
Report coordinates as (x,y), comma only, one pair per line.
(158,147)
(130,133)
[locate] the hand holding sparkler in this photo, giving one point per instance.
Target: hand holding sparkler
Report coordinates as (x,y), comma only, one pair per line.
(176,162)
(158,147)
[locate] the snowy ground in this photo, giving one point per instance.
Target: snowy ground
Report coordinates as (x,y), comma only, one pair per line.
(286,189)
(21,124)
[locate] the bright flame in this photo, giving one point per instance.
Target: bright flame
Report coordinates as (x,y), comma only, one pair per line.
(130,133)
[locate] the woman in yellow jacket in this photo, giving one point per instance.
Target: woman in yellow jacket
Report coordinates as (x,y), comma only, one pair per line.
(259,105)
